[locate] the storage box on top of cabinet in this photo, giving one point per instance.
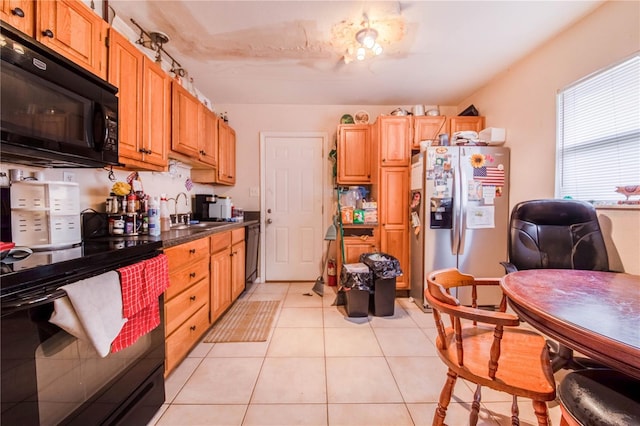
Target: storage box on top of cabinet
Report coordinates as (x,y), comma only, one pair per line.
(45,215)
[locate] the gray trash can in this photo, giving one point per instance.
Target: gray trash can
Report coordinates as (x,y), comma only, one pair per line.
(356,281)
(384,268)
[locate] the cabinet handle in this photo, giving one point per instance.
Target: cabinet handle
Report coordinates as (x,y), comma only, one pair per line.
(192,251)
(192,328)
(47,33)
(192,298)
(384,159)
(192,275)
(17,12)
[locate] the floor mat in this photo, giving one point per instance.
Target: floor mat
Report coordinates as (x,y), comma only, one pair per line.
(246,321)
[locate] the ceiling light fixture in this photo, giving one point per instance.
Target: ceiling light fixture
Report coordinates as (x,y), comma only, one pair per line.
(367,38)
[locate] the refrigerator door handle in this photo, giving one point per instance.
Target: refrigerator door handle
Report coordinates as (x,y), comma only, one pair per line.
(464,198)
(455,232)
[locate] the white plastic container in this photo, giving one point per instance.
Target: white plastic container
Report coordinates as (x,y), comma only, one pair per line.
(154,217)
(45,215)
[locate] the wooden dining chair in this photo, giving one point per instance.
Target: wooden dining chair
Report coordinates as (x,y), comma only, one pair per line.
(487,348)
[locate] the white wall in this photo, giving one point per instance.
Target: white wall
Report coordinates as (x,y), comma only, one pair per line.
(523,100)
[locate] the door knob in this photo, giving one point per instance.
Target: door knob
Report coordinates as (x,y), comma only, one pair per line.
(269,221)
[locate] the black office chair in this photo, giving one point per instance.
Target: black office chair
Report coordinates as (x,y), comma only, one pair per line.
(556,234)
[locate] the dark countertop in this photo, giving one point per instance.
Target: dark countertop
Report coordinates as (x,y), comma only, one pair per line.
(176,237)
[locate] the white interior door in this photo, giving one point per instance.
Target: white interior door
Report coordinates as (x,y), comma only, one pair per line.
(292,209)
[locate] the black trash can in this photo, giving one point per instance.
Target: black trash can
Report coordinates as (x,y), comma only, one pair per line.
(385,268)
(356,280)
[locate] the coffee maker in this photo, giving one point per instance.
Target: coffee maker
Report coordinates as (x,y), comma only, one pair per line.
(208,207)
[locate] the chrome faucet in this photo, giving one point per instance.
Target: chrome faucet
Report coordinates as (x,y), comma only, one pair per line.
(176,218)
(186,201)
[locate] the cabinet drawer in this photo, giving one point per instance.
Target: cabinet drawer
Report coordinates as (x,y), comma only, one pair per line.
(182,278)
(181,307)
(237,235)
(179,255)
(220,241)
(186,335)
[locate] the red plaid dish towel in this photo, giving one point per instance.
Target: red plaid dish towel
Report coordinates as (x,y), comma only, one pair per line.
(142,284)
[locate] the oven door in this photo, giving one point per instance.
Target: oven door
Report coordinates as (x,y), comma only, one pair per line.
(49,377)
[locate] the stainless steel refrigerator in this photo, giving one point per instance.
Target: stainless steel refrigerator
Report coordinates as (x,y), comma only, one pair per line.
(459,216)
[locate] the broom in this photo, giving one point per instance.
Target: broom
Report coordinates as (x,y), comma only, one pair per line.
(330,235)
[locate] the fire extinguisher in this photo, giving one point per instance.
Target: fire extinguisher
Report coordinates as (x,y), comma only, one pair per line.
(331,272)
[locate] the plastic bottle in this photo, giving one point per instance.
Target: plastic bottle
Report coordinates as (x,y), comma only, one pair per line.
(165,219)
(154,217)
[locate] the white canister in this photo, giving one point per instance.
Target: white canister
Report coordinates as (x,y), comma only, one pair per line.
(418,110)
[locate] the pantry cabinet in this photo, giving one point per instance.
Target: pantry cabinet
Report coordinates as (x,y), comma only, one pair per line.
(186,308)
(393,205)
(20,14)
(144,105)
(354,154)
(74,30)
(357,241)
(393,137)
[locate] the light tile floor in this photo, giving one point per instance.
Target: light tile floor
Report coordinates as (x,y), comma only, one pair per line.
(320,367)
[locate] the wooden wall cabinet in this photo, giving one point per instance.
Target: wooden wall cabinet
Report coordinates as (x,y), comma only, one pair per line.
(459,124)
(226,154)
(20,14)
(394,138)
(74,30)
(354,154)
(186,308)
(144,102)
(208,140)
(427,127)
(184,122)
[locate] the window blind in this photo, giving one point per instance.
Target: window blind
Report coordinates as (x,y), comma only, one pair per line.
(598,144)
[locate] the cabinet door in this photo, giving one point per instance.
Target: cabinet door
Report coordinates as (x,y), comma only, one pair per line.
(394,140)
(19,14)
(208,148)
(184,121)
(125,72)
(354,154)
(156,114)
(226,154)
(394,218)
(459,124)
(237,269)
(428,128)
(75,31)
(220,297)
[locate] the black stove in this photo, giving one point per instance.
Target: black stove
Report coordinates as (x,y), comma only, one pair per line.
(46,269)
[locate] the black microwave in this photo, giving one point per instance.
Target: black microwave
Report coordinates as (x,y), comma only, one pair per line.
(54,112)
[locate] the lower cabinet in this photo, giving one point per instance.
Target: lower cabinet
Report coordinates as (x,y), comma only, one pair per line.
(226,270)
(186,308)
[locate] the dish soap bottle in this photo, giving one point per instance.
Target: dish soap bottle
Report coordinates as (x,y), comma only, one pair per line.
(165,219)
(154,217)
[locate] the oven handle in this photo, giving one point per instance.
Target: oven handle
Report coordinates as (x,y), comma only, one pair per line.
(33,301)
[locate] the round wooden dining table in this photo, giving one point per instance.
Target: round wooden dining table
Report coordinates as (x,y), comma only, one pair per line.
(594,313)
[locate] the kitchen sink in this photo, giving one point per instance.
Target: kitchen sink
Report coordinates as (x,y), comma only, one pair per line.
(202,225)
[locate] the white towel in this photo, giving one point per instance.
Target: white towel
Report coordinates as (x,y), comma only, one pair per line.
(92,310)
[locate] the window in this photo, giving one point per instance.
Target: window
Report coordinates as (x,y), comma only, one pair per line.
(598,144)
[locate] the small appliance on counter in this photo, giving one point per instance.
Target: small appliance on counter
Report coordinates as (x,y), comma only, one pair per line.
(45,215)
(208,207)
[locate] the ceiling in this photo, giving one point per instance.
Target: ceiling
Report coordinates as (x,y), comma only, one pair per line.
(298,52)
